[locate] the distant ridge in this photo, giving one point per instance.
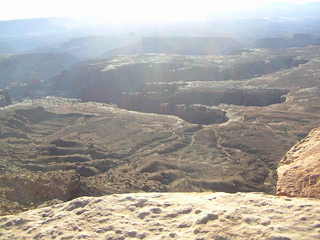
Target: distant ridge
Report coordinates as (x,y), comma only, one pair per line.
(180,45)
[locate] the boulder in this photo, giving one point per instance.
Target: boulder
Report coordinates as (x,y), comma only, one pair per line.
(299,171)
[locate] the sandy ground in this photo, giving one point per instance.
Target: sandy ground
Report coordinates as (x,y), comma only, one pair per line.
(197,216)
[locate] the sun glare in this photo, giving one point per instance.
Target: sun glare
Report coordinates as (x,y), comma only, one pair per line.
(169,10)
(129,10)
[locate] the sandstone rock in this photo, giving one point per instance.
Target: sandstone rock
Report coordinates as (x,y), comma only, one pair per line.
(58,222)
(299,171)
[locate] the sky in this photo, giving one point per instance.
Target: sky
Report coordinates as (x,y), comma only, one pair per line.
(128,10)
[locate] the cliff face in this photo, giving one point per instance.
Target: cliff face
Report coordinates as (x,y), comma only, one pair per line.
(299,171)
(217,216)
(146,82)
(105,80)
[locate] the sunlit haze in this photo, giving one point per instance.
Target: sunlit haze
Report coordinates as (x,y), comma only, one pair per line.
(128,10)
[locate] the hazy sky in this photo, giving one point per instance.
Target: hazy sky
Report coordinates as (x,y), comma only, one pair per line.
(127,10)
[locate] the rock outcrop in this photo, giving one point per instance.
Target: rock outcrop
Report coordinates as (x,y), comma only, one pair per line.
(217,216)
(299,171)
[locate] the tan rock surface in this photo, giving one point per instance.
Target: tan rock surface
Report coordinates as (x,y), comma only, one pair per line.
(299,172)
(218,216)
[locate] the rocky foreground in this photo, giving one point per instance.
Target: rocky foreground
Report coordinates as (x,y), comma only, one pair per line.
(196,216)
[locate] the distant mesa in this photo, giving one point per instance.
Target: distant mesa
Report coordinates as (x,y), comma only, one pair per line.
(148,82)
(180,45)
(26,75)
(297,40)
(5,99)
(85,48)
